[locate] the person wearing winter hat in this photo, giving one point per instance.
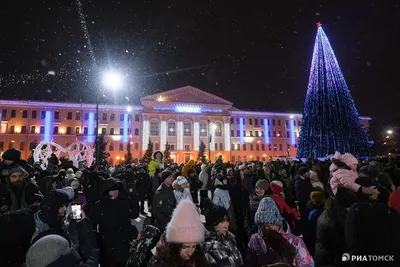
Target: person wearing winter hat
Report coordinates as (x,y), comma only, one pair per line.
(220,244)
(272,244)
(70,174)
(344,173)
(79,175)
(164,201)
(19,191)
(179,245)
(222,197)
(315,207)
(49,218)
(262,187)
(303,189)
(291,215)
(54,250)
(181,189)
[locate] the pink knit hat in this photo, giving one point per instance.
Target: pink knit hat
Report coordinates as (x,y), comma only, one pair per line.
(348,159)
(185,225)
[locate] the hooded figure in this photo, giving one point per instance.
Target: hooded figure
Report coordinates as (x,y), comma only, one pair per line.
(222,197)
(112,215)
(203,176)
(49,218)
(19,191)
(11,159)
(140,251)
(187,167)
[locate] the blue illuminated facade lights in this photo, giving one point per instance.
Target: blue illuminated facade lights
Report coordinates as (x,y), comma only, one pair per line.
(292,133)
(126,127)
(91,134)
(330,118)
(266,130)
(185,109)
(241,127)
(47,126)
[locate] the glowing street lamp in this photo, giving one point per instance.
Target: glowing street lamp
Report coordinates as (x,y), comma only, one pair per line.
(389,131)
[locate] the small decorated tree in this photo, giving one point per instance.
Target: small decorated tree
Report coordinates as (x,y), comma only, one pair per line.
(128,155)
(167,154)
(202,151)
(147,157)
(103,156)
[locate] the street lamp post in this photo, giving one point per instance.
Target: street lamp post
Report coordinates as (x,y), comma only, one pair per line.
(109,80)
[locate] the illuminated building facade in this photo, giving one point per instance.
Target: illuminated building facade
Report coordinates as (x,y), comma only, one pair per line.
(182,117)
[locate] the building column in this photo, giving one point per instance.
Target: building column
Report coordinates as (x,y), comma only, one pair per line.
(227,134)
(163,133)
(196,135)
(145,131)
(211,132)
(179,135)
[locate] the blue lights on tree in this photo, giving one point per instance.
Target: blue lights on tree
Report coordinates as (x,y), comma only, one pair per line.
(330,119)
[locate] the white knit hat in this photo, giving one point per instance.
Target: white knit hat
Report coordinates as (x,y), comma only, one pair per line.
(185,225)
(181,180)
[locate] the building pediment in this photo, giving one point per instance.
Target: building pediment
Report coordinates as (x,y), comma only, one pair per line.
(187,96)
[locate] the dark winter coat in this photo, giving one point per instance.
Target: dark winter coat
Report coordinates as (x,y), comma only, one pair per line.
(251,227)
(87,254)
(16,230)
(29,196)
(330,243)
(221,250)
(113,219)
(163,205)
(313,215)
(303,188)
(140,250)
(373,229)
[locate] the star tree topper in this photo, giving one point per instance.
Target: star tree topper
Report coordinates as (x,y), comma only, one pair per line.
(319,25)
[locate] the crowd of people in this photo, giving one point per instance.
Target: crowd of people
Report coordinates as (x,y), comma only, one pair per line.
(276,213)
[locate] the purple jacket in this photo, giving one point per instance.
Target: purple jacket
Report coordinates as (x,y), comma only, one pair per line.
(80,198)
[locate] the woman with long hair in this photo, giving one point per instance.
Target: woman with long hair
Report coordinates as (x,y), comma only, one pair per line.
(179,245)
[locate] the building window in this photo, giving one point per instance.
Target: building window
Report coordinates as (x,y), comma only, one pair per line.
(238,133)
(43,114)
(244,133)
(56,115)
(77,130)
(251,121)
(280,147)
(262,133)
(69,130)
(244,147)
(137,118)
(34,114)
(23,129)
(273,122)
(171,128)
(86,116)
(121,146)
(261,121)
(12,129)
(221,146)
(136,146)
(274,133)
(121,117)
(24,114)
(237,120)
(256,133)
(216,146)
(103,131)
(13,113)
(232,147)
(294,123)
(4,114)
(238,147)
(41,129)
(275,148)
(287,123)
(78,116)
(232,120)
(121,131)
(187,128)
(203,129)
(251,133)
(187,147)
(288,147)
(257,147)
(55,130)
(111,147)
(154,128)
(85,131)
(10,144)
(33,129)
(279,122)
(112,117)
(269,133)
(251,147)
(218,129)
(69,116)
(263,147)
(111,131)
(270,147)
(172,147)
(256,122)
(136,131)
(279,134)
(22,146)
(232,133)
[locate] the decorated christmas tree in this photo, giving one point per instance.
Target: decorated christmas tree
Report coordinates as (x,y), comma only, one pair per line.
(330,118)
(202,149)
(167,154)
(128,155)
(147,157)
(103,156)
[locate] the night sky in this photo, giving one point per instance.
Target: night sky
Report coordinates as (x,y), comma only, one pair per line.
(257,56)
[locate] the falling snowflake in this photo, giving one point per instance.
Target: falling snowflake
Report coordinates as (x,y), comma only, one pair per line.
(51,72)
(317,14)
(48,91)
(369,64)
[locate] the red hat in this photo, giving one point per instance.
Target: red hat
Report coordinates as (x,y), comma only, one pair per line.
(394,200)
(276,187)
